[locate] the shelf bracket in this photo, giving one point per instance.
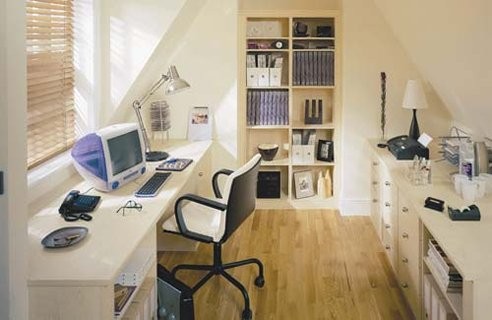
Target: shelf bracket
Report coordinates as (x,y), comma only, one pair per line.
(1,182)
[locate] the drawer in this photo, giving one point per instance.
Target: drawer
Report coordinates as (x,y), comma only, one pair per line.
(390,245)
(409,283)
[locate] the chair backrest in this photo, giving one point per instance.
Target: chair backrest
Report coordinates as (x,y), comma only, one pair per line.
(240,195)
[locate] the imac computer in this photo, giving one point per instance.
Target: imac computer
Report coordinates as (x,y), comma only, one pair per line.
(110,157)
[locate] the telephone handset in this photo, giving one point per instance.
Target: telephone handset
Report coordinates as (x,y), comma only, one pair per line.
(75,205)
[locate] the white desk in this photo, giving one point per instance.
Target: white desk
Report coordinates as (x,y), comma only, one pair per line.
(77,282)
(466,243)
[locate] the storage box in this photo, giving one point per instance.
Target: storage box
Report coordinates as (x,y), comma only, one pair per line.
(275,77)
(268,185)
(308,153)
(297,154)
(252,77)
(263,77)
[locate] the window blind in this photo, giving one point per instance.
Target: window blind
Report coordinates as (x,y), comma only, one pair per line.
(50,79)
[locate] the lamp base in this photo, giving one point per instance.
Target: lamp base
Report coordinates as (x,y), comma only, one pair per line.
(153,156)
(414,131)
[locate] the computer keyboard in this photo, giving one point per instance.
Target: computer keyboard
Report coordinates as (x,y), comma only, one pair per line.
(153,185)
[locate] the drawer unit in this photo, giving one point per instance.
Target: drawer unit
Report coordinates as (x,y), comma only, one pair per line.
(408,248)
(375,201)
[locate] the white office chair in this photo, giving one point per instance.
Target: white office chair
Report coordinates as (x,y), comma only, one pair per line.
(213,221)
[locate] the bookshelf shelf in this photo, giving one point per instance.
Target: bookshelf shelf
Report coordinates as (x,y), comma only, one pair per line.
(455,299)
(324,85)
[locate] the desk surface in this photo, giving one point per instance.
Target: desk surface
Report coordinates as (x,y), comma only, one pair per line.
(98,259)
(465,242)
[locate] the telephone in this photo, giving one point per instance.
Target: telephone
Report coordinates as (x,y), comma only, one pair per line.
(75,202)
(406,148)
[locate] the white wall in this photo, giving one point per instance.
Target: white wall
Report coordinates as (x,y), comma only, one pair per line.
(449,42)
(13,208)
(370,47)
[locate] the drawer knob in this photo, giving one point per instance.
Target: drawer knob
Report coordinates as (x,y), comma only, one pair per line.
(404,235)
(374,200)
(375,163)
(404,285)
(387,183)
(374,183)
(387,247)
(404,260)
(404,209)
(200,174)
(387,204)
(387,226)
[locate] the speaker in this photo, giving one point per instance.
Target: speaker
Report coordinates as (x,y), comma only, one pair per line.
(268,185)
(174,297)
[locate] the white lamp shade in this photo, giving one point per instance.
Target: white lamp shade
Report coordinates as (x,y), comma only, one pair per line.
(414,96)
(175,83)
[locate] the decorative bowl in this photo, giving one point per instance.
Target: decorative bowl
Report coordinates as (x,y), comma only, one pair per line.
(268,151)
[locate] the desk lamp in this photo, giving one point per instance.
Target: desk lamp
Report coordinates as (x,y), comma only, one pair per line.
(174,85)
(414,99)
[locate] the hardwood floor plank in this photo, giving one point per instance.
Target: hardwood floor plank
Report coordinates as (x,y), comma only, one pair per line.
(318,265)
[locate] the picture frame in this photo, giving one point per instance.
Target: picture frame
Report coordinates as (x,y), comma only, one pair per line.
(303,182)
(199,124)
(325,150)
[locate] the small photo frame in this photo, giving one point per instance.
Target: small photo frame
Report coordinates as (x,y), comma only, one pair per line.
(199,124)
(325,150)
(303,182)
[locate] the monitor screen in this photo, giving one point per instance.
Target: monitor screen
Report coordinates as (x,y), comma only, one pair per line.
(125,151)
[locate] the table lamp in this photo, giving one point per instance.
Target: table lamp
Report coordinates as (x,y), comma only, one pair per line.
(414,99)
(174,85)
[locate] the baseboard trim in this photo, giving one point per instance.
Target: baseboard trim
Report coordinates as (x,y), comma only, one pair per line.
(355,207)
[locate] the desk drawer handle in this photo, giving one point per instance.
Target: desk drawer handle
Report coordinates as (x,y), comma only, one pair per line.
(387,247)
(404,285)
(387,204)
(404,209)
(200,174)
(404,260)
(375,163)
(404,235)
(374,200)
(387,183)
(387,226)
(374,183)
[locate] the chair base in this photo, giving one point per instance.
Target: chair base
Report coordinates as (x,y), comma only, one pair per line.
(219,268)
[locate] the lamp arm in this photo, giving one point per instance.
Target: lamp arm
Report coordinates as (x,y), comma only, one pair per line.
(137,105)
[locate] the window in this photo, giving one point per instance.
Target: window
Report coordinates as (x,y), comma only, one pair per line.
(50,79)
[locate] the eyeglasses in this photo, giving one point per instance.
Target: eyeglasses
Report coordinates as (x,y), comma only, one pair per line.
(130,204)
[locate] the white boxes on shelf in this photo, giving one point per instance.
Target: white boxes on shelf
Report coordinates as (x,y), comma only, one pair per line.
(252,77)
(275,77)
(303,154)
(263,77)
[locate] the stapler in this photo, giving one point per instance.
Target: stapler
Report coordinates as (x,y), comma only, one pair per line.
(434,204)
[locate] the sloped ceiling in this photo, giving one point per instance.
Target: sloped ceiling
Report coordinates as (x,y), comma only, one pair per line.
(450,43)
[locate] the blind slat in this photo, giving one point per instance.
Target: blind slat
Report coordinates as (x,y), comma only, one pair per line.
(50,78)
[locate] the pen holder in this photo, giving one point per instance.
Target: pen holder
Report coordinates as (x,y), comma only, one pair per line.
(471,213)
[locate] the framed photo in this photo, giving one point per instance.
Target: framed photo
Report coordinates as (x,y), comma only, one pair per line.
(325,150)
(303,182)
(199,124)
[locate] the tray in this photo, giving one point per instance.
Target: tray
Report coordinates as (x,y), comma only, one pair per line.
(64,237)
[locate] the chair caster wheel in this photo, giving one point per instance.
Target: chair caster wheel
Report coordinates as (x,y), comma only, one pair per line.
(260,281)
(247,314)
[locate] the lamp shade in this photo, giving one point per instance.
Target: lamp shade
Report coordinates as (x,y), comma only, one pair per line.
(175,83)
(414,96)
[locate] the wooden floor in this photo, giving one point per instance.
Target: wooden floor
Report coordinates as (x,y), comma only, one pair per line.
(318,265)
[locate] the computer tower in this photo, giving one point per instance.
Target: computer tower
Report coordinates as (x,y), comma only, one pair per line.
(174,297)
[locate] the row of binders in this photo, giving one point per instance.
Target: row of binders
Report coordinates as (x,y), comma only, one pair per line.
(314,68)
(264,61)
(447,275)
(267,107)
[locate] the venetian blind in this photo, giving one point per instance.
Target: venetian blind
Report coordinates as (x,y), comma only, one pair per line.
(50,79)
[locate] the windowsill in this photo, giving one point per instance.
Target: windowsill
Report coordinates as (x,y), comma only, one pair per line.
(45,178)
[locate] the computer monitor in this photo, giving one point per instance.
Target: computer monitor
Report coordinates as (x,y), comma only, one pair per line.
(110,157)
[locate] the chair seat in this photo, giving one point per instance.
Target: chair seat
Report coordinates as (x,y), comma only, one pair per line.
(200,219)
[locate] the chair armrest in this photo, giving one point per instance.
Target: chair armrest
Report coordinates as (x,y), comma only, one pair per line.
(215,182)
(180,218)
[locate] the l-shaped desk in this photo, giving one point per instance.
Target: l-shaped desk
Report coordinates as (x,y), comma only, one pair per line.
(78,282)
